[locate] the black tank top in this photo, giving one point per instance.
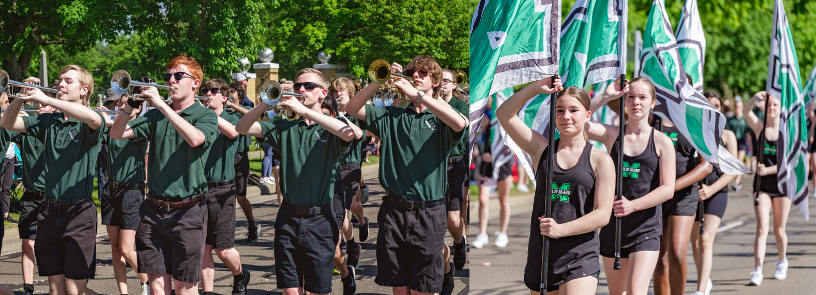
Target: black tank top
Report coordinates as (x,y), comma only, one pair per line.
(641,175)
(684,155)
(769,182)
(715,174)
(573,197)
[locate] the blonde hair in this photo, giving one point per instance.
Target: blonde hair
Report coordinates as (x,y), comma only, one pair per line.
(85,80)
(321,78)
(343,84)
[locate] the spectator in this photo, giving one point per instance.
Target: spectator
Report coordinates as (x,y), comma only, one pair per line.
(242,79)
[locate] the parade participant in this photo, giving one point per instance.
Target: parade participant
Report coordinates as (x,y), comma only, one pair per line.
(65,247)
(582,193)
(171,234)
(739,127)
(648,178)
(768,197)
(236,93)
(121,197)
(457,177)
(714,194)
(305,228)
(416,141)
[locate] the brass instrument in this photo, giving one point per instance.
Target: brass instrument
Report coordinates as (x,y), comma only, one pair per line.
(461,79)
(201,100)
(272,94)
(379,72)
(122,84)
(6,82)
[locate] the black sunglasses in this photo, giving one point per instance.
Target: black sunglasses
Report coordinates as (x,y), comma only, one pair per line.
(307,85)
(177,75)
(410,73)
(213,91)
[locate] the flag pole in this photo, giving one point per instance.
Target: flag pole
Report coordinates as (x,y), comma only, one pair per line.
(761,152)
(701,211)
(548,189)
(619,179)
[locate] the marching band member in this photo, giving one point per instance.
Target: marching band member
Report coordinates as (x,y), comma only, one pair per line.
(236,92)
(457,177)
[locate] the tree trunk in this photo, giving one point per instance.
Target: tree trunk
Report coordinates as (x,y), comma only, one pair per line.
(17,65)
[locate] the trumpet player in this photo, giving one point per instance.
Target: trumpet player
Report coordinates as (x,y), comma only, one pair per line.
(236,93)
(220,172)
(416,143)
(171,234)
(66,240)
(311,146)
(457,177)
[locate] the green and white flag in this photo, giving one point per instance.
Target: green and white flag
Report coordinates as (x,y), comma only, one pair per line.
(604,115)
(677,100)
(784,82)
(638,51)
(593,49)
(511,43)
(810,88)
(500,152)
(691,43)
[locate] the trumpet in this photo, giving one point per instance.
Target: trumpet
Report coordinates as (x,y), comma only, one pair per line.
(461,79)
(203,100)
(121,84)
(272,93)
(379,72)
(5,82)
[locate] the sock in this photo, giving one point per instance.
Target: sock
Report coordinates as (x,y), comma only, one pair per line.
(758,269)
(782,262)
(29,288)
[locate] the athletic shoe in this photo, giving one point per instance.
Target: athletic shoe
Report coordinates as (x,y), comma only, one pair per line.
(481,240)
(737,187)
(756,278)
(349,282)
(354,255)
(365,230)
(145,288)
(781,270)
(459,254)
(501,240)
(12,220)
(447,282)
(698,293)
(240,282)
(252,234)
(335,272)
(523,188)
(708,287)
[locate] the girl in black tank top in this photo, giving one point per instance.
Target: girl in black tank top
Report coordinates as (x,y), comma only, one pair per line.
(768,198)
(582,191)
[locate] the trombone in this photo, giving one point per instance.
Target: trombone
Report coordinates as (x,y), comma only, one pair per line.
(6,82)
(121,84)
(272,93)
(379,72)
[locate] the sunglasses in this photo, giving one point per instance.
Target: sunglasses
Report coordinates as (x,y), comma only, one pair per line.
(410,73)
(307,85)
(212,91)
(177,75)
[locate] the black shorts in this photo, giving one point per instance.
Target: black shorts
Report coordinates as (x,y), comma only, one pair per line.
(742,144)
(241,173)
(553,288)
(276,161)
(646,245)
(120,204)
(682,206)
(29,206)
(346,189)
(304,250)
(457,178)
(409,247)
(221,215)
(66,243)
(506,170)
(172,242)
(715,205)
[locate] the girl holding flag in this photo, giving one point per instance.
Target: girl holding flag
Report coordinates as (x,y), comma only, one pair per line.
(582,192)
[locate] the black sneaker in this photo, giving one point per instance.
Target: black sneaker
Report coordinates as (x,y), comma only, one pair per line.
(239,284)
(365,230)
(12,220)
(460,254)
(28,289)
(447,282)
(252,234)
(349,282)
(353,253)
(342,244)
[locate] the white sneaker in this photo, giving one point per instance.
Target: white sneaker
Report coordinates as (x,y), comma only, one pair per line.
(781,270)
(264,180)
(523,188)
(698,293)
(708,287)
(271,180)
(737,187)
(480,241)
(756,278)
(501,240)
(145,288)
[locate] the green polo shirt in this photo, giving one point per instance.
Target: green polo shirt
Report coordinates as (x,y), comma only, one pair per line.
(221,156)
(245,140)
(462,107)
(126,158)
(414,151)
(31,150)
(355,151)
(70,152)
(174,168)
(309,158)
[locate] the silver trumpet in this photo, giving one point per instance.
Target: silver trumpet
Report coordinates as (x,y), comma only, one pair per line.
(272,93)
(5,82)
(122,84)
(203,100)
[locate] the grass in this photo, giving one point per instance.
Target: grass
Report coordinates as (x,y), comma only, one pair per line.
(474,191)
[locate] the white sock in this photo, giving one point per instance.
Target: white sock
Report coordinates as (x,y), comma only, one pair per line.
(782,262)
(758,269)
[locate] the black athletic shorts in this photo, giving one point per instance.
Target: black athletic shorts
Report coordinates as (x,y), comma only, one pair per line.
(346,189)
(221,214)
(409,247)
(742,144)
(120,204)
(66,240)
(506,170)
(715,205)
(682,206)
(172,242)
(241,173)
(646,245)
(276,161)
(29,206)
(457,178)
(304,250)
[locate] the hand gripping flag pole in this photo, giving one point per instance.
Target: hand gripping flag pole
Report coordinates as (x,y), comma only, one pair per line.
(619,178)
(761,153)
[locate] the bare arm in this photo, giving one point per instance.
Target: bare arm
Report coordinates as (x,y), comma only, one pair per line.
(120,128)
(356,105)
(730,141)
(438,107)
(11,120)
(237,107)
(753,121)
(74,110)
(191,135)
(226,128)
(248,125)
(336,127)
(358,133)
(700,172)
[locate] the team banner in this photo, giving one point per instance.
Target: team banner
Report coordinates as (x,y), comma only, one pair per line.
(604,115)
(784,83)
(638,52)
(810,88)
(691,43)
(677,100)
(500,152)
(511,43)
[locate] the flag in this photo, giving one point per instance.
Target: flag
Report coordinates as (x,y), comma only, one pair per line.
(784,82)
(603,115)
(691,43)
(810,88)
(592,50)
(638,52)
(511,43)
(677,100)
(500,152)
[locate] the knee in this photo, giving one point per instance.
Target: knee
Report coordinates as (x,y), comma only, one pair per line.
(707,240)
(762,231)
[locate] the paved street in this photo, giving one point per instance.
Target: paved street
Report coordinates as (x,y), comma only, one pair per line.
(256,257)
(500,270)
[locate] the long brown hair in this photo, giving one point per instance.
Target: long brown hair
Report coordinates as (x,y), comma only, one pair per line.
(579,94)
